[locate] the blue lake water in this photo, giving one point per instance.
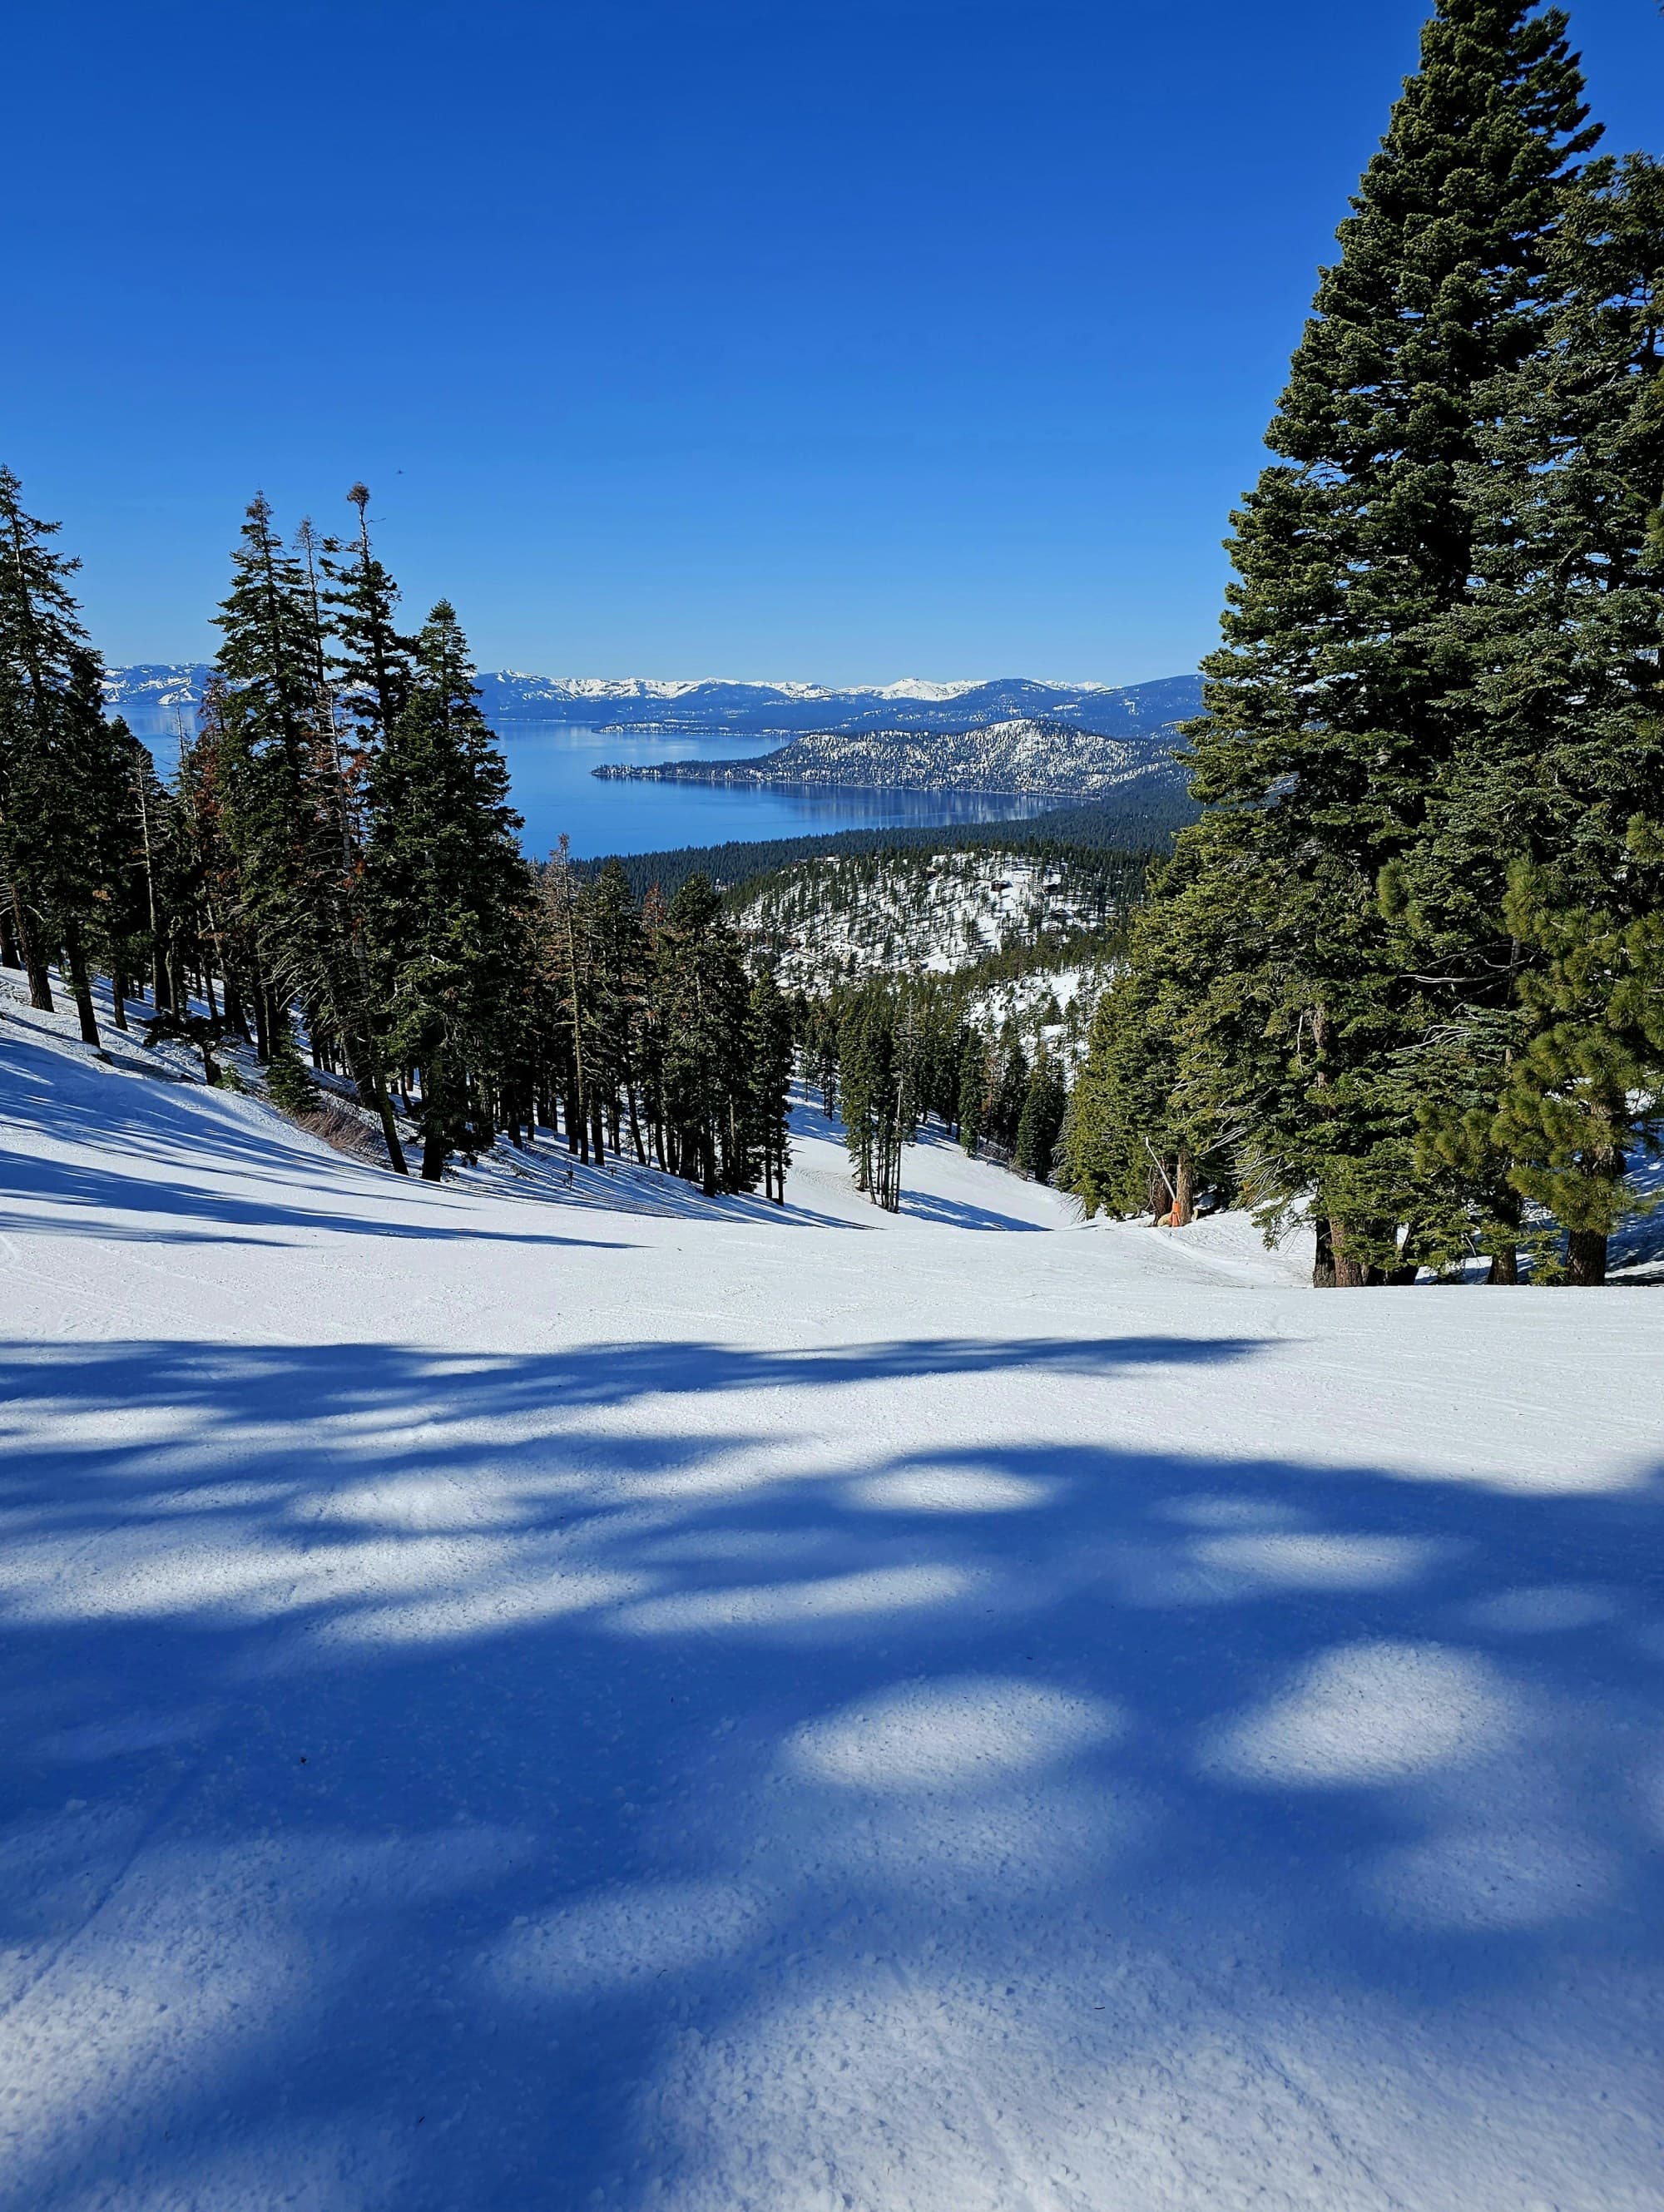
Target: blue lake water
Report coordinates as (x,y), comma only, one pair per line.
(550,765)
(551,762)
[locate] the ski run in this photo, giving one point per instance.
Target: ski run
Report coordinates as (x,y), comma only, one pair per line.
(531,1693)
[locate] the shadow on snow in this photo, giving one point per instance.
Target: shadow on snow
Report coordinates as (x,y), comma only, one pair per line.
(505,1754)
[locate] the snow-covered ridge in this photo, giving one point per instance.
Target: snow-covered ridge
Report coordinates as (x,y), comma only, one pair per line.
(1033,756)
(746,706)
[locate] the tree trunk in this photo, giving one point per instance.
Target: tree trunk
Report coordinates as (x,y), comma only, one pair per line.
(1157,1196)
(161,984)
(9,955)
(1323,1263)
(1350,1274)
(81,987)
(34,961)
(1184,1190)
(1586,1258)
(118,1000)
(1505,1257)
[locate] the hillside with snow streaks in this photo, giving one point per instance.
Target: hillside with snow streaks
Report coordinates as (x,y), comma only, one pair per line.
(1032,758)
(837,920)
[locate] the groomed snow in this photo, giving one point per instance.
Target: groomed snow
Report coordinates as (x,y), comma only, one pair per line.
(522,1697)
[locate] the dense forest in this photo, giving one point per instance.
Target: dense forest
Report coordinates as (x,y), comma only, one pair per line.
(333,879)
(1127,837)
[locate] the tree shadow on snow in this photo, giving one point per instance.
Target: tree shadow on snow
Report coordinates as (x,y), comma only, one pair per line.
(451,1782)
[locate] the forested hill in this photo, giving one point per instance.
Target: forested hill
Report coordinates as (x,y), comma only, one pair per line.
(712,709)
(1135,825)
(1028,756)
(841,917)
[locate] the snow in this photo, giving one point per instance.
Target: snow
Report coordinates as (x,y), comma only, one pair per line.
(544,1697)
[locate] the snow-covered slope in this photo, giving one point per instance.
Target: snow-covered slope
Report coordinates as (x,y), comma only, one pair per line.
(544,1697)
(828,920)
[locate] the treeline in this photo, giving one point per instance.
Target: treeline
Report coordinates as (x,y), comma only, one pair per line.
(887,1056)
(1126,839)
(1407,969)
(333,878)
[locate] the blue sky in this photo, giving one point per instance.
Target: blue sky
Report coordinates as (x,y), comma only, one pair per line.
(841,341)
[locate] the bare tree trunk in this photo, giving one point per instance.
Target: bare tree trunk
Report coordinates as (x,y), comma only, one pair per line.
(81,987)
(1323,1263)
(1349,1274)
(1184,1190)
(34,961)
(9,955)
(1586,1257)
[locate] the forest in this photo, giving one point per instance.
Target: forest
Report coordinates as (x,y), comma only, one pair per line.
(333,878)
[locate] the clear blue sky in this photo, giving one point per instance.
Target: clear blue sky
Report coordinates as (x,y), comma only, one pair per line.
(890,336)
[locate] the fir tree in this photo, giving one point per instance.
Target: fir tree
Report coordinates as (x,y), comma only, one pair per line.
(448,895)
(1543,817)
(46,673)
(1342,688)
(770,1050)
(1042,1122)
(971,1105)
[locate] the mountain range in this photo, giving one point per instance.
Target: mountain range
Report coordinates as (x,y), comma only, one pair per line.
(693,706)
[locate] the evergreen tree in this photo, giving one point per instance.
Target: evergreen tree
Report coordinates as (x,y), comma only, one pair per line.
(770,1051)
(876,1087)
(448,894)
(1042,1121)
(371,660)
(50,722)
(1342,688)
(972,1102)
(701,1006)
(1543,819)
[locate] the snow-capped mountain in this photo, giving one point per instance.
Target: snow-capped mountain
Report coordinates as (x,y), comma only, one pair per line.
(156,683)
(1030,754)
(690,706)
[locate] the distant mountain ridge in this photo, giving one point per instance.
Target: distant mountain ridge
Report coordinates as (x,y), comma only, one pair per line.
(692,707)
(1031,755)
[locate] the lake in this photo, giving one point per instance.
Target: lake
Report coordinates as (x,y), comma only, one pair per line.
(549,763)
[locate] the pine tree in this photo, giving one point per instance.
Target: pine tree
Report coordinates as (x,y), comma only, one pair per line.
(1042,1121)
(770,1051)
(701,1006)
(448,895)
(1544,818)
(370,660)
(972,1102)
(1342,686)
(876,1088)
(47,679)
